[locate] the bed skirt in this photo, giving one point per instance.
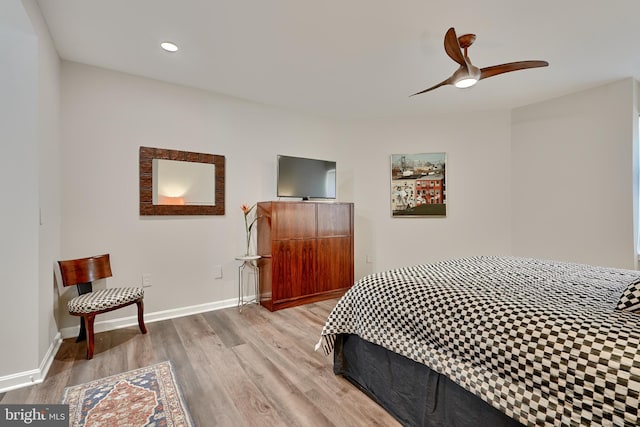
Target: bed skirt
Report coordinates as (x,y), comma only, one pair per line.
(411,392)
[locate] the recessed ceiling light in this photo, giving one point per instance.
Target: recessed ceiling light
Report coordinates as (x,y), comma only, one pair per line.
(169,47)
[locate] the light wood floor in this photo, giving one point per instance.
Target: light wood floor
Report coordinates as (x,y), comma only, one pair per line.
(252,368)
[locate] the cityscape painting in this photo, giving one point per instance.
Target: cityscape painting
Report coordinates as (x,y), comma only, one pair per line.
(418,185)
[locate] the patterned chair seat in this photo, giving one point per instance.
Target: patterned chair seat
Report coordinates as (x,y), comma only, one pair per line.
(104,299)
(82,272)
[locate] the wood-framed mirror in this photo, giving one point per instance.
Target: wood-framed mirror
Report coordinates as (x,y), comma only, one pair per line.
(174,182)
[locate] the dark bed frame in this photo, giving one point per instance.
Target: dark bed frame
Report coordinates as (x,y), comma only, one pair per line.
(410,391)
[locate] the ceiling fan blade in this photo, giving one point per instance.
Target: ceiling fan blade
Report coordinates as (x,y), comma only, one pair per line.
(452,47)
(442,83)
(508,67)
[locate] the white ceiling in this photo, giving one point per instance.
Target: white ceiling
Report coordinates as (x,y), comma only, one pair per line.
(354,58)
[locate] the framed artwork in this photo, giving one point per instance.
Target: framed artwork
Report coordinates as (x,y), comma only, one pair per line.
(418,185)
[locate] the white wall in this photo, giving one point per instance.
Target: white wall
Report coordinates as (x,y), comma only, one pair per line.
(107,116)
(48,181)
(30,170)
(19,172)
(478,189)
(574,172)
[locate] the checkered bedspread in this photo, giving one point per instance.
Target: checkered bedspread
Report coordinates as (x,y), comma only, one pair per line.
(539,340)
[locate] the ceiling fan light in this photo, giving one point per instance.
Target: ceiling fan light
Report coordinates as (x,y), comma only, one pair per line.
(467,82)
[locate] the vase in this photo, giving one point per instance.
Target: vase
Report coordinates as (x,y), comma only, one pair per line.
(246,252)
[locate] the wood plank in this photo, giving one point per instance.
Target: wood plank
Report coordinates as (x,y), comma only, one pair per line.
(219,322)
(213,406)
(294,407)
(249,368)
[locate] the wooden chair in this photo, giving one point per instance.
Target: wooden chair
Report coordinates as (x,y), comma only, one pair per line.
(81,273)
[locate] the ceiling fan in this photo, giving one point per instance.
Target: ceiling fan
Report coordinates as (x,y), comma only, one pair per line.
(468,74)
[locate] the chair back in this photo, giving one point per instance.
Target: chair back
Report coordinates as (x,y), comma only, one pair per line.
(85,270)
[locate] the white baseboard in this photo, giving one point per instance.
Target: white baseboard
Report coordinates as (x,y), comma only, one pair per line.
(125,322)
(34,376)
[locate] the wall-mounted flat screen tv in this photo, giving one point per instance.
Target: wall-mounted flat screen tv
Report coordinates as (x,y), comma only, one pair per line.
(306,178)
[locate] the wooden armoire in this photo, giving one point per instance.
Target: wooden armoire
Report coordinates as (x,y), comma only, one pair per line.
(306,251)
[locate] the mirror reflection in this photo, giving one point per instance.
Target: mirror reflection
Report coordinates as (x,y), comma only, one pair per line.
(175,182)
(183,183)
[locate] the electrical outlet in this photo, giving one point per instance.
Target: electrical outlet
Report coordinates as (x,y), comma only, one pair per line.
(146,280)
(217,272)
(369,259)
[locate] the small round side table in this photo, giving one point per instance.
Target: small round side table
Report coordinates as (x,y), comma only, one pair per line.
(250,262)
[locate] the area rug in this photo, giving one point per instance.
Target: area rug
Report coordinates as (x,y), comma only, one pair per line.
(142,397)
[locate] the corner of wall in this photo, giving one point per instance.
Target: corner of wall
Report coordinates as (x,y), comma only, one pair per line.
(34,376)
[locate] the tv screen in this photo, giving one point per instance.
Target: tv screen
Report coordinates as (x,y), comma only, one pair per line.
(306,178)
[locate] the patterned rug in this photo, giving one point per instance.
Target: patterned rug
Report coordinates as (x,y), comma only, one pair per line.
(143,397)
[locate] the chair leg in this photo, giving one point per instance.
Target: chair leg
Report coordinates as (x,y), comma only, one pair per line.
(83,288)
(82,335)
(141,324)
(88,320)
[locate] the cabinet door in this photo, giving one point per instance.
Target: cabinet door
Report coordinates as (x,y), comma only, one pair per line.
(294,268)
(294,220)
(335,263)
(335,219)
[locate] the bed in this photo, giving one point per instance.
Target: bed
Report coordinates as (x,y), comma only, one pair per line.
(493,341)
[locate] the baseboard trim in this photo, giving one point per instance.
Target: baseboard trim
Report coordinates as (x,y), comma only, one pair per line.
(125,322)
(34,376)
